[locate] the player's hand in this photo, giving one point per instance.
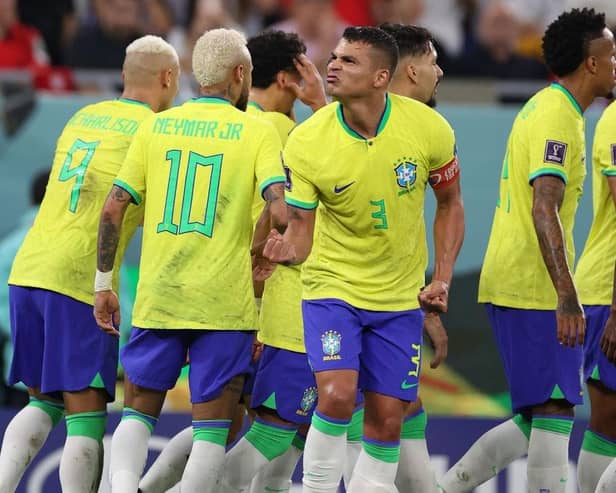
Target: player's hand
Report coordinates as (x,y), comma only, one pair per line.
(438,338)
(434,297)
(107,312)
(257,349)
(278,250)
(312,92)
(570,321)
(262,269)
(608,340)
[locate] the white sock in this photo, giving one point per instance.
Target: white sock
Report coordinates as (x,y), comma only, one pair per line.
(242,464)
(415,473)
(353,449)
(204,468)
(276,476)
(548,463)
(372,475)
(323,461)
(23,438)
(81,465)
(169,466)
(129,450)
(607,483)
(590,468)
(491,453)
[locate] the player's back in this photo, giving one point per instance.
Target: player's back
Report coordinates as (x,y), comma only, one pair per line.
(197,165)
(59,252)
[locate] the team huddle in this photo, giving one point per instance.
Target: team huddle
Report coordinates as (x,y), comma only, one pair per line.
(312,237)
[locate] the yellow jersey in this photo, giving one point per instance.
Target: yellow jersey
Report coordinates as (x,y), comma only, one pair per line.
(594,275)
(59,251)
(196,166)
(547,138)
(370,250)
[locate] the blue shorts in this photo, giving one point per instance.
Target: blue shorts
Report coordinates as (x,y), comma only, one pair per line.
(285,382)
(249,382)
(384,347)
(153,358)
(57,345)
(537,366)
(596,365)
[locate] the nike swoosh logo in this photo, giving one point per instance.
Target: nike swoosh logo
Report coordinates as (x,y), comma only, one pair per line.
(341,189)
(406,386)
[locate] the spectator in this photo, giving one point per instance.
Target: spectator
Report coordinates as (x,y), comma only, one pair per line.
(103,44)
(21,46)
(15,396)
(494,54)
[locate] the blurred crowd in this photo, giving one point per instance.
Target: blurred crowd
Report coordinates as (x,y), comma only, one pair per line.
(475,38)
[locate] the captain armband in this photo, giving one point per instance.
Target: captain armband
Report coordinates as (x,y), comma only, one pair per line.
(446,175)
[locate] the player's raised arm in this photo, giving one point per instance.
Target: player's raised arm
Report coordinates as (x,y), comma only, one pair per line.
(106,306)
(548,195)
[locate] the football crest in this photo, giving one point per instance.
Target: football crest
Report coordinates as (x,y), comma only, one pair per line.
(406,174)
(331,341)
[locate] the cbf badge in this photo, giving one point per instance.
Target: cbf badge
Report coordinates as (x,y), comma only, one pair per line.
(331,342)
(309,399)
(406,174)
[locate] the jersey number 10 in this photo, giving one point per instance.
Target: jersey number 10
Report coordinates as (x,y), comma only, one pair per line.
(195,160)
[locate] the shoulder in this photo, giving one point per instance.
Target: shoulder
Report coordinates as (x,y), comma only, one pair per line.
(411,110)
(315,127)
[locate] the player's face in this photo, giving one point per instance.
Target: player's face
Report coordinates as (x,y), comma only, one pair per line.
(352,70)
(603,50)
(429,75)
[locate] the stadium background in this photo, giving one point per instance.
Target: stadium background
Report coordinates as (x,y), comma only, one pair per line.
(468,392)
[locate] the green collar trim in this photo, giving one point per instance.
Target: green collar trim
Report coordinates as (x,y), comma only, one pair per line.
(379,128)
(565,91)
(133,101)
(255,105)
(211,100)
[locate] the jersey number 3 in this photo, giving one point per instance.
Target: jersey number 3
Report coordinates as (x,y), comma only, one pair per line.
(79,171)
(195,160)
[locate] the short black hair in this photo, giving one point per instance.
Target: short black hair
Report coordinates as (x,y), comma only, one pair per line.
(38,185)
(271,52)
(411,40)
(378,39)
(567,39)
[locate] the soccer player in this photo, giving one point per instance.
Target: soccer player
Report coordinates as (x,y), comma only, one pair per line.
(526,280)
(196,167)
(368,169)
(594,280)
(68,365)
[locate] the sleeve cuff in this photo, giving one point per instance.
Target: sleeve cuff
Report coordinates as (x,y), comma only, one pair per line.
(131,191)
(301,205)
(608,172)
(270,181)
(547,172)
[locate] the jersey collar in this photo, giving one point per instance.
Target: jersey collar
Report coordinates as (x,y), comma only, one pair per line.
(379,128)
(133,101)
(211,100)
(565,91)
(255,105)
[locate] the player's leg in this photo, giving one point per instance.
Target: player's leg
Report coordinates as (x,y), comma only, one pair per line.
(219,361)
(390,367)
(599,445)
(28,430)
(415,473)
(334,356)
(501,445)
(282,404)
(152,361)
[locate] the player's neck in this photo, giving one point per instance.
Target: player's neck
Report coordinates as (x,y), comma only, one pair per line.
(364,115)
(266,99)
(142,96)
(580,91)
(403,87)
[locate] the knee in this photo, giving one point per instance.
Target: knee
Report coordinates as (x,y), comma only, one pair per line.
(337,401)
(383,428)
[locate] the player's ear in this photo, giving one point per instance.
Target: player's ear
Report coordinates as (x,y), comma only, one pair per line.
(591,64)
(165,77)
(281,79)
(383,78)
(411,72)
(238,73)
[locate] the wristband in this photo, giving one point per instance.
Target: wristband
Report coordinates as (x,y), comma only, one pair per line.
(103,281)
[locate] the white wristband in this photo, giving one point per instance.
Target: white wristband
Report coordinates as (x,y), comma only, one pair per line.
(102,281)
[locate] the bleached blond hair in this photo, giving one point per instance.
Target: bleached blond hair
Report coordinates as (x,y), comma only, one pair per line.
(217,52)
(146,57)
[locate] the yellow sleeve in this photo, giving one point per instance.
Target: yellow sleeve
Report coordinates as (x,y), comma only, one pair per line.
(550,152)
(604,147)
(268,168)
(443,166)
(300,190)
(131,176)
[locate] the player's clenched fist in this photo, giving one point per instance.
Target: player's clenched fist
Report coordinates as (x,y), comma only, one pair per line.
(278,250)
(107,312)
(570,321)
(434,297)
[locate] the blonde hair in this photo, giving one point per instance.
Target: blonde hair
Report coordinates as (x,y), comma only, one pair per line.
(146,57)
(217,52)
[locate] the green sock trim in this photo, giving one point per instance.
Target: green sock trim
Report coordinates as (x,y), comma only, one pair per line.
(356,429)
(90,424)
(414,428)
(212,435)
(97,382)
(271,441)
(555,425)
(299,442)
(557,393)
(523,424)
(54,410)
(270,402)
(384,453)
(597,444)
(329,427)
(146,419)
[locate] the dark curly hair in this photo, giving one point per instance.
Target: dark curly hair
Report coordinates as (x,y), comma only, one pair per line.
(378,39)
(271,52)
(566,40)
(411,40)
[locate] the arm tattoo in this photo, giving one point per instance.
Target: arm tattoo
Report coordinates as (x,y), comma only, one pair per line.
(274,193)
(110,227)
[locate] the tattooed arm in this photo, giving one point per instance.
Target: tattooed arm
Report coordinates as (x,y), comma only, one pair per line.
(548,194)
(295,245)
(106,305)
